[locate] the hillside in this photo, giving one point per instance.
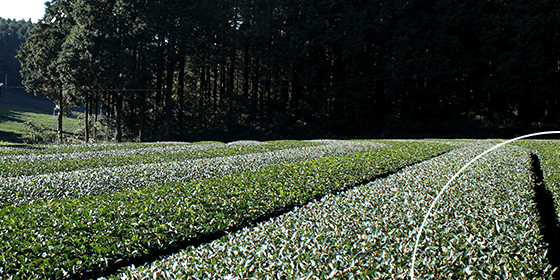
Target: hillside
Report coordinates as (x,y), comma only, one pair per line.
(28,118)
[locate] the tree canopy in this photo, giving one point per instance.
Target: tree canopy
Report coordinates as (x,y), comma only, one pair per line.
(167,69)
(12,35)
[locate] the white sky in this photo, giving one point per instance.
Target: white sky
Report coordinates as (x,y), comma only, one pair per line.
(22,9)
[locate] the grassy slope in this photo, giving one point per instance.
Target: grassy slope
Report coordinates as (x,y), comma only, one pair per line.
(13,119)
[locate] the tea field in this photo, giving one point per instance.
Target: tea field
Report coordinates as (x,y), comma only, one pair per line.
(318,209)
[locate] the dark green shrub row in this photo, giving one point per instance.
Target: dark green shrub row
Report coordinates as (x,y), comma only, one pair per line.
(12,169)
(485,226)
(88,235)
(89,182)
(73,148)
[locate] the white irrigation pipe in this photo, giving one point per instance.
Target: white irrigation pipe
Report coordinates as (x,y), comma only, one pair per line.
(455,177)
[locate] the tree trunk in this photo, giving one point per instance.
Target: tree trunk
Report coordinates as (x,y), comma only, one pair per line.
(170,71)
(246,72)
(159,85)
(60,114)
(141,116)
(96,106)
(201,92)
(215,91)
(294,101)
(181,90)
(257,95)
(119,117)
(109,100)
(231,82)
(223,86)
(86,119)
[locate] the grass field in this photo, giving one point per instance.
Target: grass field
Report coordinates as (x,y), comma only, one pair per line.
(14,119)
(30,118)
(322,209)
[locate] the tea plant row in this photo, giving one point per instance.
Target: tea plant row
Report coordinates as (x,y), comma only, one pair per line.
(12,166)
(94,181)
(71,148)
(87,234)
(484,227)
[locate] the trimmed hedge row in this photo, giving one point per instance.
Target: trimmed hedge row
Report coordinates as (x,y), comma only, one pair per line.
(70,185)
(484,227)
(92,234)
(96,160)
(18,150)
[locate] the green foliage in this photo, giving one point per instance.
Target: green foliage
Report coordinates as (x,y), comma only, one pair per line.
(256,67)
(38,166)
(12,34)
(485,226)
(38,134)
(89,234)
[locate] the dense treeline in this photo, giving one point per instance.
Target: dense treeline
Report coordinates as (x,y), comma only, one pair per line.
(12,35)
(232,66)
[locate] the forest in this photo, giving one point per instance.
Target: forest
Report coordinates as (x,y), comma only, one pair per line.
(12,34)
(226,69)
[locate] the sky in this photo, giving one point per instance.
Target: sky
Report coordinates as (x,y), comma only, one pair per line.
(22,9)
